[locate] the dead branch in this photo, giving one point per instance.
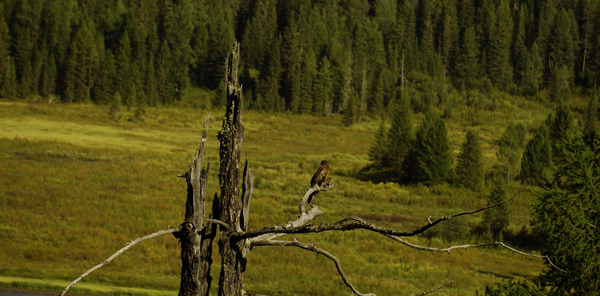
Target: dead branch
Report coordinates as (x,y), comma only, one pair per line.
(301,221)
(314,248)
(447,250)
(359,224)
(119,252)
(247,190)
(217,222)
(310,191)
(433,290)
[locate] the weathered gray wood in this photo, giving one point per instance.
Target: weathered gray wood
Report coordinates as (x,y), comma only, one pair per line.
(189,237)
(208,235)
(233,260)
(247,189)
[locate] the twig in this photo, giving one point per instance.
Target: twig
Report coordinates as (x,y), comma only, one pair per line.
(315,249)
(447,250)
(433,290)
(119,252)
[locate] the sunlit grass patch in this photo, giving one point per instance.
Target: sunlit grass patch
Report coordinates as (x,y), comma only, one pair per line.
(76,186)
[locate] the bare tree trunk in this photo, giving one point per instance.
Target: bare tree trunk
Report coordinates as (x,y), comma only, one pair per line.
(192,247)
(233,252)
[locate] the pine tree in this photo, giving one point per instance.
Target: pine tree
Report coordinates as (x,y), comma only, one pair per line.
(496,219)
(378,153)
(270,87)
(324,88)
(179,41)
(150,87)
(433,154)
(518,43)
(308,83)
(509,152)
(115,106)
(9,88)
(401,135)
(499,68)
(562,122)
(450,30)
(469,170)
(350,112)
(104,89)
(123,62)
(591,116)
(49,75)
(70,78)
(163,75)
(533,70)
(5,41)
(467,65)
(377,97)
(26,81)
(561,53)
(567,215)
(292,62)
(537,158)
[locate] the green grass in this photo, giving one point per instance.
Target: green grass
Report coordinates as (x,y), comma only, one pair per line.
(76,186)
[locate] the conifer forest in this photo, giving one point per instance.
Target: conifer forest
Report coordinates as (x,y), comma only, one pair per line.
(320,57)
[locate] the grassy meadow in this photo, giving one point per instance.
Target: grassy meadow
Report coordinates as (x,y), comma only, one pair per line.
(76,186)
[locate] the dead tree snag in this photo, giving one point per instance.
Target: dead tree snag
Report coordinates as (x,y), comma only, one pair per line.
(231,213)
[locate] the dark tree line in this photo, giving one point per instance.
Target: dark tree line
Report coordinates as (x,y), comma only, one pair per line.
(303,56)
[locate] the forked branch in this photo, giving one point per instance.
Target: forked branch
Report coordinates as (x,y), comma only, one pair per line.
(309,192)
(313,248)
(119,252)
(359,223)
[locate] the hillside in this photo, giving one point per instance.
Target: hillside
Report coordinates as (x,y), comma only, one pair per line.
(77,186)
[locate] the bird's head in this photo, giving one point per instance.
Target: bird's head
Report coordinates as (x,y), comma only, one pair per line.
(325,162)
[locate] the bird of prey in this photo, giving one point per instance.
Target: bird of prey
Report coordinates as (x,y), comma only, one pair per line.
(321,177)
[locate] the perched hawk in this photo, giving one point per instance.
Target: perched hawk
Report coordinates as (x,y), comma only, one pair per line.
(321,177)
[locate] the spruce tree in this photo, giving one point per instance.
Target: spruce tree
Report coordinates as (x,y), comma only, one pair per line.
(499,68)
(469,170)
(5,41)
(115,106)
(150,87)
(309,80)
(49,76)
(567,216)
(324,88)
(533,70)
(537,158)
(561,122)
(509,150)
(179,41)
(562,49)
(163,75)
(9,88)
(401,134)
(350,112)
(467,64)
(432,147)
(270,85)
(104,89)
(496,219)
(377,96)
(378,153)
(291,60)
(591,116)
